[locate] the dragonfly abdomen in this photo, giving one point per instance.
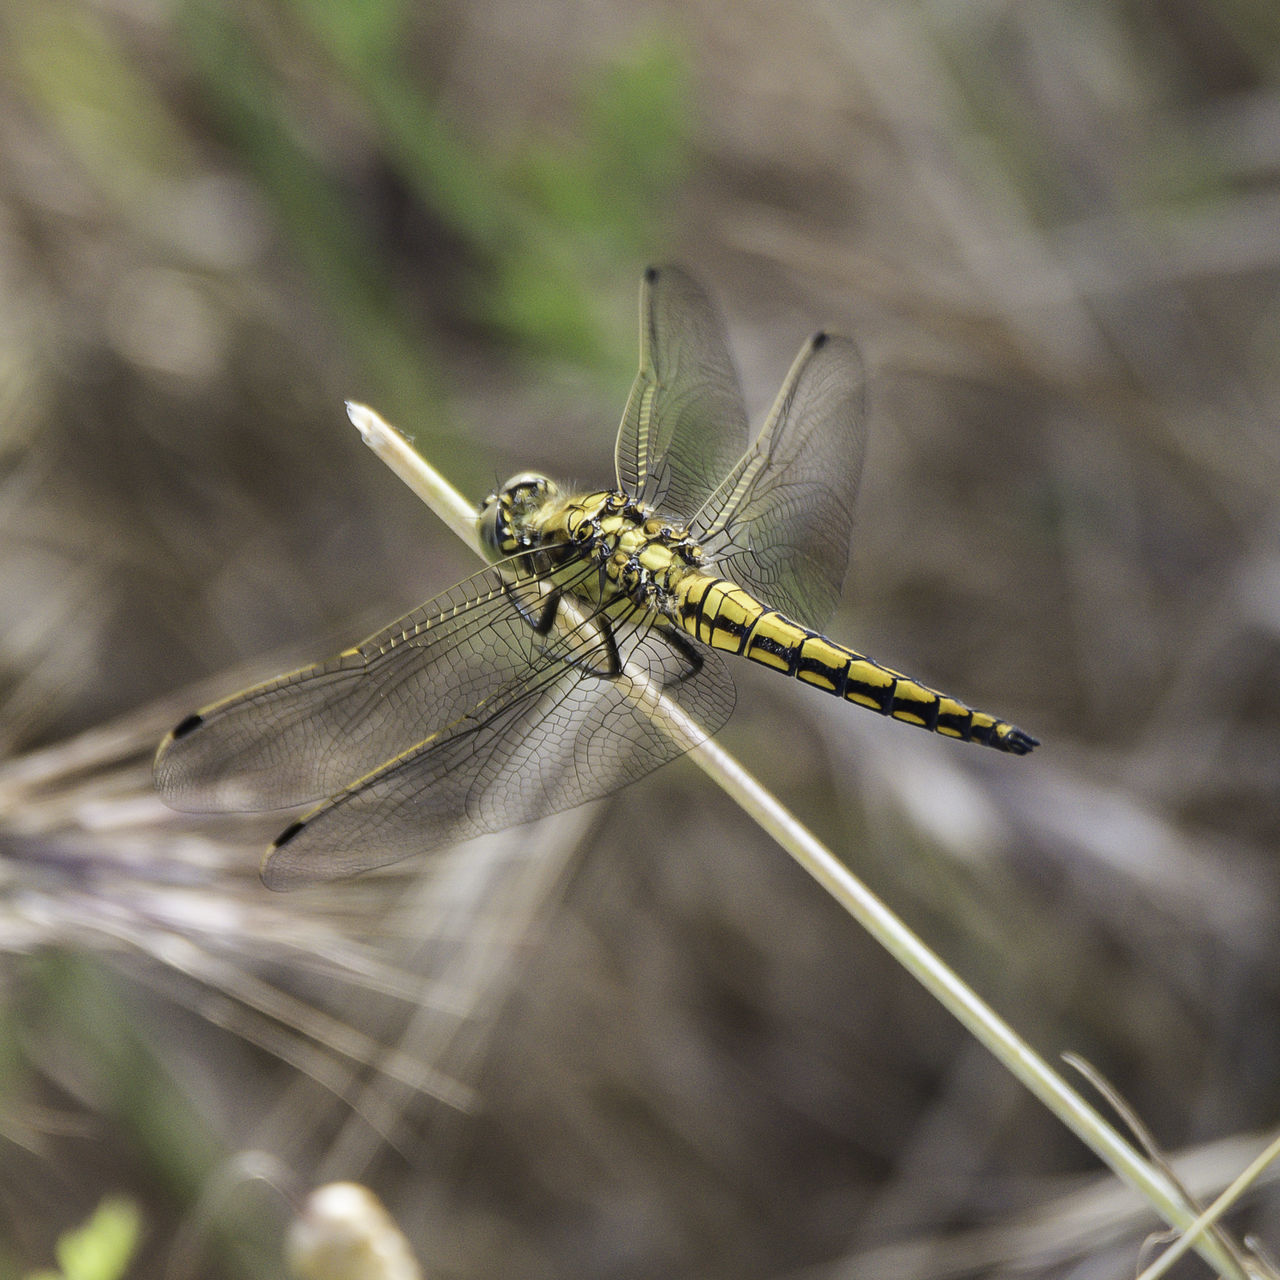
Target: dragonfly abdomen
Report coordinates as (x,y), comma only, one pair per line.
(726,617)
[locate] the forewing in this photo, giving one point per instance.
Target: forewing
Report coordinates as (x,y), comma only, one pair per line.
(684,425)
(780,523)
(550,742)
(306,735)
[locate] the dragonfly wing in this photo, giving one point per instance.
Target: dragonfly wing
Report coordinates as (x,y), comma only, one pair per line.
(305,735)
(544,744)
(780,523)
(685,424)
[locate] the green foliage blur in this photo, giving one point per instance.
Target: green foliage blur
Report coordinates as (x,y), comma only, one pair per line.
(533,232)
(543,221)
(100,1249)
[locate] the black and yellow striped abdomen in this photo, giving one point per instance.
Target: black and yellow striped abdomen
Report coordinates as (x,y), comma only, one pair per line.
(651,565)
(726,617)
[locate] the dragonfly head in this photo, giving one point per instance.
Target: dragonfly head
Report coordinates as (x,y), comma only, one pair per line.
(505,514)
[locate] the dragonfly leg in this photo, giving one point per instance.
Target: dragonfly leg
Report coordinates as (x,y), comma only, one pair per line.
(540,614)
(688,651)
(597,656)
(614,664)
(596,659)
(550,607)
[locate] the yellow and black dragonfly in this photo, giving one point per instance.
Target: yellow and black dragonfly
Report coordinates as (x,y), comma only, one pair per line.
(521,691)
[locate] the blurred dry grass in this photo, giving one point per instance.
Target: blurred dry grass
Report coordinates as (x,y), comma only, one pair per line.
(1054,228)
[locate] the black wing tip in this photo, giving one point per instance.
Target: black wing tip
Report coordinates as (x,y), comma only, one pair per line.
(186,727)
(285,836)
(272,872)
(819,339)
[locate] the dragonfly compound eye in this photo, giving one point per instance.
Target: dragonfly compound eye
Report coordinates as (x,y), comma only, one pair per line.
(494,527)
(504,517)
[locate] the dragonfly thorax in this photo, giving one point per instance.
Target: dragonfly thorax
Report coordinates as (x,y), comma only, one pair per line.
(636,553)
(639,555)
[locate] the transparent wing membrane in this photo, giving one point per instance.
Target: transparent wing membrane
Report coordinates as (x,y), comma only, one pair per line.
(550,741)
(305,735)
(458,719)
(777,517)
(780,522)
(685,424)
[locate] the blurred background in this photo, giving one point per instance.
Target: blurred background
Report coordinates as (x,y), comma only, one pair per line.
(636,1041)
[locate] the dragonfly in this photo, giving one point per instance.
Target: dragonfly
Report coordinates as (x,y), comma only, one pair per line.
(528,689)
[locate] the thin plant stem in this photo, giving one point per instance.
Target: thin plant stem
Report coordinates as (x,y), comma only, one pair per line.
(956,996)
(1193,1234)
